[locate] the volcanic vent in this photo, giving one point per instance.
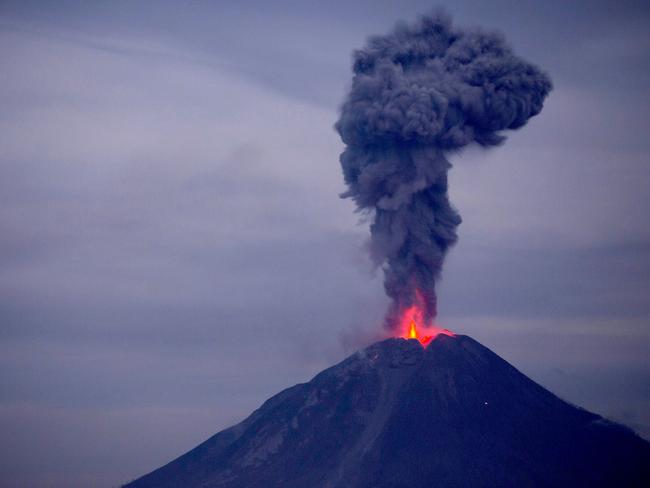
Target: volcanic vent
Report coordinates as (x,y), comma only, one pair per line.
(400,414)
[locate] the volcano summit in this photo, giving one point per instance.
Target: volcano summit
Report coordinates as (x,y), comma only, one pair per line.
(397,414)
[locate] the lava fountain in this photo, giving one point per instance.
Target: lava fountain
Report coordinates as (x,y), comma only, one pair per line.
(413,325)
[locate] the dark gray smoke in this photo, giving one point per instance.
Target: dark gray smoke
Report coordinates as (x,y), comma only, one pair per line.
(417,95)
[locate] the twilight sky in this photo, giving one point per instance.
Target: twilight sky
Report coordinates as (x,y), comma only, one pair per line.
(173,250)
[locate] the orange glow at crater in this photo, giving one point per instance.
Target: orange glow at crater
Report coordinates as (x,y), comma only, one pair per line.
(413,334)
(412,327)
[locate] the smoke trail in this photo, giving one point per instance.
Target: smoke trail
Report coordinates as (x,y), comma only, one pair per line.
(418,94)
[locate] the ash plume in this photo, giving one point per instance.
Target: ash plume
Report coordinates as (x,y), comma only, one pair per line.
(418,94)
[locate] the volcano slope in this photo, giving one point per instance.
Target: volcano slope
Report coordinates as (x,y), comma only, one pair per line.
(396,414)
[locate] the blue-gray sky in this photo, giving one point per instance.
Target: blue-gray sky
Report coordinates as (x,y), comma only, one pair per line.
(173,250)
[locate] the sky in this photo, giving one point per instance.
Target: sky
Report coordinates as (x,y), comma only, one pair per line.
(173,250)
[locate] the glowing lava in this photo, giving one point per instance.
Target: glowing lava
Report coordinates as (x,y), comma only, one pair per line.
(410,327)
(413,334)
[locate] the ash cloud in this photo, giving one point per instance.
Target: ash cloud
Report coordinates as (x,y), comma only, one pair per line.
(418,94)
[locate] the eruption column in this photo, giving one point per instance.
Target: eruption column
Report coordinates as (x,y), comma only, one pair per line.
(418,94)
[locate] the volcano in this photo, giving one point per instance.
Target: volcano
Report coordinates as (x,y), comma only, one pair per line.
(398,414)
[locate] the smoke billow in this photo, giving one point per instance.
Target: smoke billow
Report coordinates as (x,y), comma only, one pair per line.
(418,94)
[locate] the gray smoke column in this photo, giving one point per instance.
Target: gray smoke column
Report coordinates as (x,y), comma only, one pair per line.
(418,94)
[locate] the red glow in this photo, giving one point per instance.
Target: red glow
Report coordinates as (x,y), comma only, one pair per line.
(412,326)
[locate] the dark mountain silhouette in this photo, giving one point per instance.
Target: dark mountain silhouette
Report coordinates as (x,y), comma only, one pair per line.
(395,414)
